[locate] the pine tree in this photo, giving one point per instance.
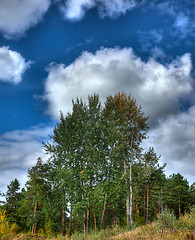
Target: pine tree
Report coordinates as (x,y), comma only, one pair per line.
(177,194)
(13,201)
(35,196)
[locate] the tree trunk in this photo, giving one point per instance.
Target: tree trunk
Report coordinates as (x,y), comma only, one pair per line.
(144,205)
(147,203)
(127,211)
(63,222)
(88,208)
(88,218)
(130,186)
(110,215)
(84,222)
(70,221)
(137,207)
(103,213)
(34,224)
(131,195)
(95,223)
(77,224)
(156,211)
(127,199)
(179,205)
(161,201)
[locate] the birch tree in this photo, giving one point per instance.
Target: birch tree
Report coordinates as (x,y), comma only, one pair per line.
(130,124)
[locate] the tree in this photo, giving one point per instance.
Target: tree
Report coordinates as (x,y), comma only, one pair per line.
(130,124)
(152,174)
(192,194)
(177,194)
(92,145)
(12,201)
(35,196)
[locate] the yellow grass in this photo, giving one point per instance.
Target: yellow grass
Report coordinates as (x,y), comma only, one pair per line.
(150,232)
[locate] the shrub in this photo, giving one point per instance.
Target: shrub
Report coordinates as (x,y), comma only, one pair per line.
(187,221)
(166,219)
(4,226)
(14,228)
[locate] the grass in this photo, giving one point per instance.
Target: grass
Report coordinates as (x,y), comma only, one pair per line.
(147,232)
(167,227)
(151,232)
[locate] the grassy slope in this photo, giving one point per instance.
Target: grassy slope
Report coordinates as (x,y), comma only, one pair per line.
(150,232)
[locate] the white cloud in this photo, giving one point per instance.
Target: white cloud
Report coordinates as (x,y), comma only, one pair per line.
(17,16)
(155,86)
(174,140)
(19,151)
(8,175)
(75,9)
(12,66)
(116,7)
(21,148)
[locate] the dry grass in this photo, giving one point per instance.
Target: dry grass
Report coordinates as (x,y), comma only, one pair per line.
(26,237)
(150,232)
(147,232)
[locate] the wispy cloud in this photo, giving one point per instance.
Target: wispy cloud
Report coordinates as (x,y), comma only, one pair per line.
(183,20)
(149,39)
(76,9)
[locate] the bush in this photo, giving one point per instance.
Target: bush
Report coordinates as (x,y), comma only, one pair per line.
(187,221)
(167,219)
(14,228)
(4,226)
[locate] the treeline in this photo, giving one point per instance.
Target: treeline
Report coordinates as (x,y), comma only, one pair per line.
(97,175)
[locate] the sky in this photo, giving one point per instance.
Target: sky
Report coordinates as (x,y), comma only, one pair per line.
(52,51)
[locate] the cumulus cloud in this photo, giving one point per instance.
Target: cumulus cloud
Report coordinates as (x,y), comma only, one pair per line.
(75,9)
(12,66)
(155,86)
(17,16)
(174,139)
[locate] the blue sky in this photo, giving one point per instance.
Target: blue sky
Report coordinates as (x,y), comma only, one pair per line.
(52,51)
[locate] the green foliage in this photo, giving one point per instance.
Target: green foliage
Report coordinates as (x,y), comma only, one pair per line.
(192,194)
(92,152)
(187,221)
(104,234)
(13,201)
(14,228)
(177,194)
(167,219)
